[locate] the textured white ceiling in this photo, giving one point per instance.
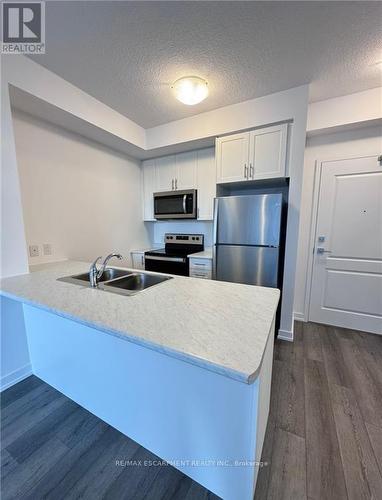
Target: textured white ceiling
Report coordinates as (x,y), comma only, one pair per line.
(126,54)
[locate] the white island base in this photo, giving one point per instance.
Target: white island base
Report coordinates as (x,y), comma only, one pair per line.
(209,426)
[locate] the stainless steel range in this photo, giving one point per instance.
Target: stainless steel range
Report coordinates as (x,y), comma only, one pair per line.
(172,259)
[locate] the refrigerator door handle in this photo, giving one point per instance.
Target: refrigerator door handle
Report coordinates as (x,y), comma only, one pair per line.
(216,216)
(214,262)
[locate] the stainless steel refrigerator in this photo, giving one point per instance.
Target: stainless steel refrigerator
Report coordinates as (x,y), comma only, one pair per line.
(247,239)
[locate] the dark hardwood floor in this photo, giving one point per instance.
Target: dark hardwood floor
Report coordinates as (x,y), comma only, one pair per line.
(323,440)
(51,448)
(324,434)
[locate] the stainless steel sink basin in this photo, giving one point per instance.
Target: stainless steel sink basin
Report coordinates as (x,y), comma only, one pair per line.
(119,281)
(134,283)
(109,273)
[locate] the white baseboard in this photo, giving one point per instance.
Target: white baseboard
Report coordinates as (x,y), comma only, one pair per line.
(285,335)
(298,316)
(15,376)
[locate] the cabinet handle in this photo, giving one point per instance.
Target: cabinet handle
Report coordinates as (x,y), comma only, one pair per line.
(176,183)
(143,260)
(251,171)
(245,171)
(172,184)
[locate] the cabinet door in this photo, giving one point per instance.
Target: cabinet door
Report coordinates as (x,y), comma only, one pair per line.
(206,174)
(138,260)
(267,152)
(232,158)
(186,170)
(166,173)
(149,188)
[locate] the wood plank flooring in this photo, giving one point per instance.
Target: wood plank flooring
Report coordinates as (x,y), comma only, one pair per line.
(324,434)
(54,449)
(323,440)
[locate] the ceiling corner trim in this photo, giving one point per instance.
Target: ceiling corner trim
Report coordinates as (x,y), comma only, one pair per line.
(51,88)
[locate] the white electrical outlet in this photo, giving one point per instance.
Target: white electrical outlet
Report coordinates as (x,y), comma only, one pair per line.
(47,249)
(33,251)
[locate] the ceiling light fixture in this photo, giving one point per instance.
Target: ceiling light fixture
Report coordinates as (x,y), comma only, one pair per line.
(190,90)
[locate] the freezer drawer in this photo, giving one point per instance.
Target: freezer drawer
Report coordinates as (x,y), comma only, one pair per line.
(246,264)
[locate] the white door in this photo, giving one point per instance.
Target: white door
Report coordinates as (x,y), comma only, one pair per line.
(267,152)
(232,158)
(347,266)
(206,183)
(185,170)
(166,171)
(149,188)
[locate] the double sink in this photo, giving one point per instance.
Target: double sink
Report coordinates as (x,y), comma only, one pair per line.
(119,281)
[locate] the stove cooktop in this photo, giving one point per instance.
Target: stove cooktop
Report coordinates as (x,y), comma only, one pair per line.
(179,245)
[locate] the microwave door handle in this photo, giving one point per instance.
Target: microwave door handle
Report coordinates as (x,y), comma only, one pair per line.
(184,203)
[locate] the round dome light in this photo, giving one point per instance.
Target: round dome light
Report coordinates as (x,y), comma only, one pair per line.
(190,90)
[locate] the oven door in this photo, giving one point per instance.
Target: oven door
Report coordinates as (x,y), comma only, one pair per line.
(167,265)
(175,205)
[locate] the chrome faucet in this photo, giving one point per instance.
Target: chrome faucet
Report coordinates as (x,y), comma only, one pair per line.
(95,273)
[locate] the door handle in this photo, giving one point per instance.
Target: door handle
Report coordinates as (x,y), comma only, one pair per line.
(172,184)
(245,171)
(251,172)
(176,183)
(322,250)
(184,203)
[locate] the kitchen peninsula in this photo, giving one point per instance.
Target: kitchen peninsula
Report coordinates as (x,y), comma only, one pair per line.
(184,358)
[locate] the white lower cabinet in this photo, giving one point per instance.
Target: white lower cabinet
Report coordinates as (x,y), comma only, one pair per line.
(200,268)
(138,260)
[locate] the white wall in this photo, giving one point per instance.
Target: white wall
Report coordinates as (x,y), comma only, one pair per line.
(80,197)
(358,142)
(13,256)
(342,112)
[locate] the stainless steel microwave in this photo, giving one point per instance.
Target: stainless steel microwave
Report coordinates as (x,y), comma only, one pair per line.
(175,204)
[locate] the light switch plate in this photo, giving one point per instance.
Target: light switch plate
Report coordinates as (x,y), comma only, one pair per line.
(33,251)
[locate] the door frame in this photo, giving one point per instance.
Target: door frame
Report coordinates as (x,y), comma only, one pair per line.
(313,225)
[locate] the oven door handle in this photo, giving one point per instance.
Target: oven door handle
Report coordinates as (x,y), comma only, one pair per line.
(184,203)
(167,259)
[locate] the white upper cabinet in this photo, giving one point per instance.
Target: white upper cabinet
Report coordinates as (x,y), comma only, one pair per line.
(206,175)
(149,188)
(258,154)
(232,157)
(166,173)
(191,170)
(186,170)
(267,152)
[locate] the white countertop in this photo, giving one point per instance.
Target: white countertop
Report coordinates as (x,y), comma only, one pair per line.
(216,325)
(206,254)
